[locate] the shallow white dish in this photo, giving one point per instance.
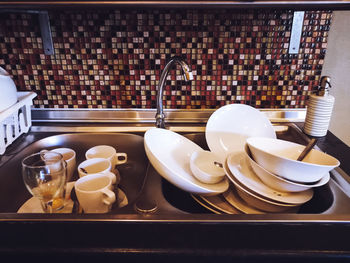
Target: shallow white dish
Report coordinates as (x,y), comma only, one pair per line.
(170,153)
(219,203)
(233,198)
(228,128)
(256,200)
(242,171)
(205,167)
(280,183)
(203,203)
(280,157)
(32,205)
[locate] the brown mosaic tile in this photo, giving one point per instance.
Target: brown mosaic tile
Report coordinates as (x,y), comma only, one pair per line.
(114,58)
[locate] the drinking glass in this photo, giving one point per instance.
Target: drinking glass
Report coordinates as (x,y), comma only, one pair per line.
(44,175)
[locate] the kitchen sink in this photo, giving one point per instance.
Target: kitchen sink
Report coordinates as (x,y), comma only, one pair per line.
(147,192)
(13,192)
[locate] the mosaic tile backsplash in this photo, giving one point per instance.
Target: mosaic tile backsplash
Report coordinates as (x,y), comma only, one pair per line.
(114,58)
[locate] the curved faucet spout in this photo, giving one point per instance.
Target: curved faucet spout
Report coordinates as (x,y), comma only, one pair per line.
(186,70)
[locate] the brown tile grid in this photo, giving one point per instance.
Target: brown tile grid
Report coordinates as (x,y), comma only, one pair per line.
(114,58)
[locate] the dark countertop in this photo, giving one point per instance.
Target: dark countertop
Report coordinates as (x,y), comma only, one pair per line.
(169,241)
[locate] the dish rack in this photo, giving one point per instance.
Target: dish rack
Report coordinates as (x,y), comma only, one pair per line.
(16,120)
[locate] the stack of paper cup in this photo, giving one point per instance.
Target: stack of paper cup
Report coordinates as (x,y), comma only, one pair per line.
(318,115)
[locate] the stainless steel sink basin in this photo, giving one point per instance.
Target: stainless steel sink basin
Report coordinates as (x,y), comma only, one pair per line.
(13,192)
(149,195)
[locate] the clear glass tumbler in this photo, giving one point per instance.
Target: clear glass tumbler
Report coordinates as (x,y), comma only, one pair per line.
(44,175)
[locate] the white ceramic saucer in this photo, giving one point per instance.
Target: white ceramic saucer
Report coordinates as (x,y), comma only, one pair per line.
(228,128)
(242,171)
(32,205)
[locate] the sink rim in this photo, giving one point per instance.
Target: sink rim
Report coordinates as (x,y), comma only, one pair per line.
(128,215)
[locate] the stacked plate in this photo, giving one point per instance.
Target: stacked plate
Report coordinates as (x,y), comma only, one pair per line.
(254,190)
(243,189)
(228,202)
(318,115)
(256,193)
(228,128)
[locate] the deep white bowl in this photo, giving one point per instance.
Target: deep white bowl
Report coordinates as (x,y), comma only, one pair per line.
(229,126)
(206,168)
(8,90)
(279,157)
(280,183)
(170,153)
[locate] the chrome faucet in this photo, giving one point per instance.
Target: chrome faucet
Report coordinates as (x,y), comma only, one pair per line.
(186,70)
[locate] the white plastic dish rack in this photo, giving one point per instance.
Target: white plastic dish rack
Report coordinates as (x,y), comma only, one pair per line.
(16,120)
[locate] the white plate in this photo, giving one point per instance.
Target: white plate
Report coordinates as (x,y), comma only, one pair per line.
(242,171)
(200,201)
(228,128)
(256,200)
(220,204)
(170,154)
(33,205)
(233,198)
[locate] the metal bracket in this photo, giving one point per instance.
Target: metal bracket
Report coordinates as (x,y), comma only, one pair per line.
(46,33)
(297,27)
(45,28)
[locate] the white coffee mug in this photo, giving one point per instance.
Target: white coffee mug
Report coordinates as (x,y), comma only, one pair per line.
(96,166)
(94,193)
(69,156)
(107,152)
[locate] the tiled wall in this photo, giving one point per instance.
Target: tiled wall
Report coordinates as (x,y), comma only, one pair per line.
(114,58)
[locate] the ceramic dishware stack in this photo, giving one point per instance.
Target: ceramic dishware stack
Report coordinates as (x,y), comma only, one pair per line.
(261,184)
(279,183)
(280,158)
(268,178)
(97,188)
(255,193)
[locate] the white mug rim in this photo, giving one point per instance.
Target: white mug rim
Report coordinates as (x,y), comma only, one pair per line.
(112,151)
(88,177)
(68,150)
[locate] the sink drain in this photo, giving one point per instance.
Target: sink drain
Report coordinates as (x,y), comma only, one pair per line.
(146,206)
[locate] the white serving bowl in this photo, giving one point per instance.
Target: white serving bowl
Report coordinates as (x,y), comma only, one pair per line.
(229,126)
(279,183)
(279,157)
(206,168)
(170,153)
(8,90)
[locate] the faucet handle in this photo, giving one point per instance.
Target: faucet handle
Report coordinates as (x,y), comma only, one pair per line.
(160,120)
(188,75)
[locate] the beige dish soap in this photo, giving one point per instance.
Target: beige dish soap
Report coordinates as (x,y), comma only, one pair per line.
(319,110)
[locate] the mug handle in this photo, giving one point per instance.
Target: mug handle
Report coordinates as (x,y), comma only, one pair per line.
(113,177)
(109,196)
(124,160)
